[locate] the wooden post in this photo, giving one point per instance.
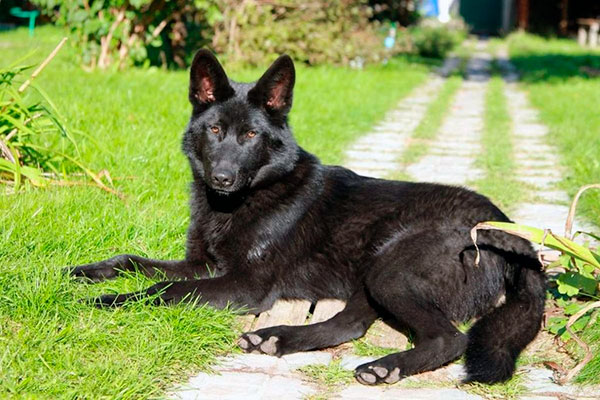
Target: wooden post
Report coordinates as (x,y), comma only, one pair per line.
(582,35)
(564,17)
(523,14)
(594,30)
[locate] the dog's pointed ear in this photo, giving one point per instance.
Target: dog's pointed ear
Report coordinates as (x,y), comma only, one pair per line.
(274,89)
(208,81)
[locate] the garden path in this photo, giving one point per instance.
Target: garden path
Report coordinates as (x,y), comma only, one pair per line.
(450,159)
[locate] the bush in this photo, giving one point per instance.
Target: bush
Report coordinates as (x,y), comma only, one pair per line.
(127,32)
(316,32)
(432,39)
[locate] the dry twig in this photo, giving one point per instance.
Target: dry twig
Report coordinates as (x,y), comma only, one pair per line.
(586,348)
(42,65)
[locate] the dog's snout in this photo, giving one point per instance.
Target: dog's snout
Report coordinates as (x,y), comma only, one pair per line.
(223,178)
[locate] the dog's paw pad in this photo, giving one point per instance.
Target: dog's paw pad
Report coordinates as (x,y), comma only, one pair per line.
(375,374)
(243,343)
(393,376)
(270,346)
(254,339)
(366,378)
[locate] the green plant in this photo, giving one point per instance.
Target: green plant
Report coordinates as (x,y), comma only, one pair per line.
(123,32)
(431,39)
(141,32)
(315,32)
(34,140)
(576,283)
(330,378)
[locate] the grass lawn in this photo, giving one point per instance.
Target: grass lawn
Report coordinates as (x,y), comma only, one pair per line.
(52,346)
(563,81)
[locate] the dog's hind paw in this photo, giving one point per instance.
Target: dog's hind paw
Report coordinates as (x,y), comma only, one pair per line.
(373,374)
(253,343)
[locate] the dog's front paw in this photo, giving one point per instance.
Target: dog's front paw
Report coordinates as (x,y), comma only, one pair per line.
(107,300)
(375,373)
(93,272)
(260,342)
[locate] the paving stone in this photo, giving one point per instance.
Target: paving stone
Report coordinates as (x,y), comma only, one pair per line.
(360,392)
(371,155)
(350,362)
(253,363)
(300,360)
(247,386)
(540,380)
(540,182)
(447,169)
(547,216)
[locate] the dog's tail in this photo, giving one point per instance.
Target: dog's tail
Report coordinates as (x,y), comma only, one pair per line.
(497,338)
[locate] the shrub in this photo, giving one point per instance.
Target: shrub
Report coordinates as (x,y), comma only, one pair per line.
(436,40)
(137,32)
(316,32)
(124,32)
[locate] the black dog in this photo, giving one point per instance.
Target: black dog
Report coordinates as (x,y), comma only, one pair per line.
(269,222)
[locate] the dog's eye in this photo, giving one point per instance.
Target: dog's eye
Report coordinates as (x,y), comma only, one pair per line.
(215,129)
(250,134)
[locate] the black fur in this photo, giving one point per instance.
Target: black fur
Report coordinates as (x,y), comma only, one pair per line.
(269,222)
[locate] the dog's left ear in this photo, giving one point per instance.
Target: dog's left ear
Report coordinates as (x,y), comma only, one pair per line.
(208,81)
(274,89)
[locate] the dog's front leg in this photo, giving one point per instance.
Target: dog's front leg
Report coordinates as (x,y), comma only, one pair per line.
(217,292)
(111,267)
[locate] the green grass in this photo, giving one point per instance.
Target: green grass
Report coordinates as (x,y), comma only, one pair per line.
(557,73)
(432,120)
(52,346)
(509,390)
(330,378)
(563,81)
(496,159)
(361,347)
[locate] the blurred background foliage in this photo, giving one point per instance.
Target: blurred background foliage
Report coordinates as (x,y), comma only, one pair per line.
(122,33)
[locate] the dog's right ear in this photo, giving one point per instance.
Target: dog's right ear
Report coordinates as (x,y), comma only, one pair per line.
(208,81)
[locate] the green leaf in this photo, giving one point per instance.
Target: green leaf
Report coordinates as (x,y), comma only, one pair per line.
(542,237)
(571,283)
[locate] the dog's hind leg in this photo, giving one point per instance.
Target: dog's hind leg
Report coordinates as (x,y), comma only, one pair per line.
(111,267)
(415,285)
(350,323)
(437,342)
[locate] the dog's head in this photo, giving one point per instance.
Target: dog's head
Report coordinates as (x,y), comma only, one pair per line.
(238,136)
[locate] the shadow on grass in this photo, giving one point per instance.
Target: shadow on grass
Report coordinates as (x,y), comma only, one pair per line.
(557,67)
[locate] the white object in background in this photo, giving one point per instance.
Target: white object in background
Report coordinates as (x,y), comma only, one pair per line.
(444,10)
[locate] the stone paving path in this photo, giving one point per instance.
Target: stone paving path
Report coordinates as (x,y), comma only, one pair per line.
(378,153)
(452,155)
(450,159)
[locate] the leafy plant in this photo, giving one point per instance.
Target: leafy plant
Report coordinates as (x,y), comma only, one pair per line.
(576,281)
(316,32)
(34,140)
(118,33)
(432,39)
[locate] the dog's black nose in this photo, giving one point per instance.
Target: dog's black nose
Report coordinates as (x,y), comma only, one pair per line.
(222,178)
